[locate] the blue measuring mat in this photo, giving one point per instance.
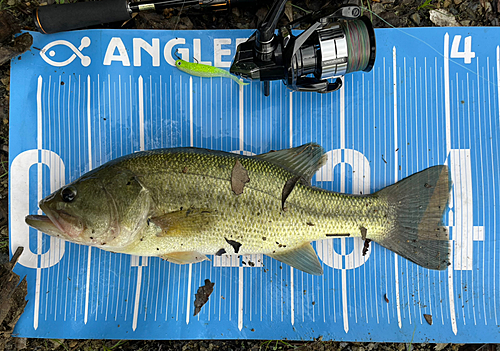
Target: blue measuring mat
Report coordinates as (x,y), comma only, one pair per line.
(80,99)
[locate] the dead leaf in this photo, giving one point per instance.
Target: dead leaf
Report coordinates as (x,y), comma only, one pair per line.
(289,11)
(236,245)
(201,297)
(366,246)
(428,318)
(12,294)
(130,19)
(363,233)
(239,177)
(443,18)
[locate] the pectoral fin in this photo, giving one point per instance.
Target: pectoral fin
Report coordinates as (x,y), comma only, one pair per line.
(184,257)
(184,222)
(303,258)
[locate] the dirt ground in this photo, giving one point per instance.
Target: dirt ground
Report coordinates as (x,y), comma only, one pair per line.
(385,13)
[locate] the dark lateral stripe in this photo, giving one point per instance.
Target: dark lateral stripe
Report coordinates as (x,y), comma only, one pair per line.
(338,234)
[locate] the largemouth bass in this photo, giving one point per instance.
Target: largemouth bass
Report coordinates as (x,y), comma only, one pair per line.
(185,203)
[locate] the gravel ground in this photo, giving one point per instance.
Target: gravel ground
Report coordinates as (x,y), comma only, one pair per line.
(396,13)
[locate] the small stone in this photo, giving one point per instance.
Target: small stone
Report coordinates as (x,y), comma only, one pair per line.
(21,343)
(235,11)
(56,343)
(443,18)
(5,81)
(73,343)
(495,22)
(415,18)
(446,3)
(378,8)
(387,1)
(186,23)
(5,121)
(11,2)
(313,5)
(457,2)
(473,6)
(261,14)
(465,23)
(242,25)
(487,6)
(440,346)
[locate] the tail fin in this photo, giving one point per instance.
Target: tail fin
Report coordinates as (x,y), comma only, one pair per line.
(418,233)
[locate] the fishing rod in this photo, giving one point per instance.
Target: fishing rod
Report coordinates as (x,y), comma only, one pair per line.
(63,17)
(337,41)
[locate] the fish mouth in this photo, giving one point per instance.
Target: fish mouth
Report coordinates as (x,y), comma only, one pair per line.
(57,223)
(43,224)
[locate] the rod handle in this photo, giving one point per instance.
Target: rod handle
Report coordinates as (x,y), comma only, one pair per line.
(63,17)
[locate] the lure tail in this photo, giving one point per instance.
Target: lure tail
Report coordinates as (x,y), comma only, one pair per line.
(237,80)
(419,202)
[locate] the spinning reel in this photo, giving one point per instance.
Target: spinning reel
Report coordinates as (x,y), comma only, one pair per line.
(338,41)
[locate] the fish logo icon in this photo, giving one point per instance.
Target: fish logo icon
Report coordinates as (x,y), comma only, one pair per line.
(85,42)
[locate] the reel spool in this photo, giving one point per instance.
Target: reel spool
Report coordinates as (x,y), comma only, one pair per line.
(337,42)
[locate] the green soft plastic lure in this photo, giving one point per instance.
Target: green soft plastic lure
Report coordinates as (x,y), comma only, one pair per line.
(201,70)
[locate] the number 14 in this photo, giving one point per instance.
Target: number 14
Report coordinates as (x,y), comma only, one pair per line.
(467,54)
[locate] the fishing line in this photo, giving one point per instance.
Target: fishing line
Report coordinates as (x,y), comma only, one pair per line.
(430,46)
(358,44)
(179,16)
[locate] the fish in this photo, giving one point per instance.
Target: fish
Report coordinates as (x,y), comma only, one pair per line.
(185,204)
(201,70)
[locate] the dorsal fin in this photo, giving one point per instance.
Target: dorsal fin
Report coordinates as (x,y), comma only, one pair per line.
(304,160)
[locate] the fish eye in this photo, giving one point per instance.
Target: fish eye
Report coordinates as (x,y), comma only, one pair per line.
(178,63)
(68,194)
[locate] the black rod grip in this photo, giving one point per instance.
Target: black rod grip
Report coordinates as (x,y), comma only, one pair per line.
(58,18)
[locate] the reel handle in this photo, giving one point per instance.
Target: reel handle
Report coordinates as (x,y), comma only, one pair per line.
(58,18)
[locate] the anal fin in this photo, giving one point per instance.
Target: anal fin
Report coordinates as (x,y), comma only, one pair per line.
(184,257)
(303,258)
